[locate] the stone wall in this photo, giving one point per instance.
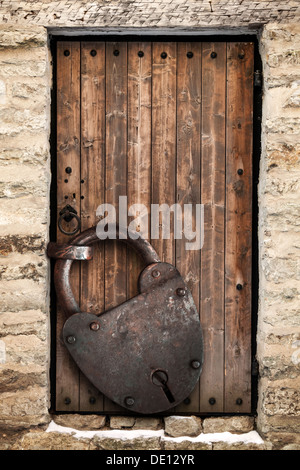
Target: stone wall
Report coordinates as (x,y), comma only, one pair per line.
(155,14)
(278,337)
(25,83)
(25,101)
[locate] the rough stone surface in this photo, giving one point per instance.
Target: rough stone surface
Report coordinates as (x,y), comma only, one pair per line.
(24,408)
(81,422)
(235,424)
(186,445)
(120,422)
(278,336)
(238,446)
(147,423)
(176,426)
(284,440)
(138,13)
(52,441)
(137,443)
(25,81)
(56,437)
(16,37)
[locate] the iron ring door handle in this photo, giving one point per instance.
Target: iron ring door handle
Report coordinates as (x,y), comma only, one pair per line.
(68,215)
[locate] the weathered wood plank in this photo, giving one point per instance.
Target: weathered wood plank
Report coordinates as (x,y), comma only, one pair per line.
(68,192)
(116,172)
(213,198)
(238,227)
(164,139)
(188,172)
(92,191)
(139,144)
(163,191)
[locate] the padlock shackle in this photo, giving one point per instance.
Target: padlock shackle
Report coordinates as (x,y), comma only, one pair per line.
(63,266)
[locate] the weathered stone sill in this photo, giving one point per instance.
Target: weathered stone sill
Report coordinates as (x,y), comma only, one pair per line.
(58,437)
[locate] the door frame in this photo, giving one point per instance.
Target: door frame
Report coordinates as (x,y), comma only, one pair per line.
(157,36)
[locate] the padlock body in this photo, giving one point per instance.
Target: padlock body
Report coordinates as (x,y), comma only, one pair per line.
(147,353)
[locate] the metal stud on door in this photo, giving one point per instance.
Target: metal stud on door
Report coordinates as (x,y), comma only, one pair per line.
(146,354)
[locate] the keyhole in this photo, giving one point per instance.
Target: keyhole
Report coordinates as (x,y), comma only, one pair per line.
(160,378)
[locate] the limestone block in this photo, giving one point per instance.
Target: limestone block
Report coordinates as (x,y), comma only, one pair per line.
(278,425)
(135,443)
(20,174)
(235,424)
(278,269)
(24,408)
(282,125)
(280,102)
(35,91)
(288,57)
(15,120)
(240,446)
(277,367)
(276,78)
(20,36)
(282,155)
(277,33)
(80,422)
(147,423)
(176,426)
(25,215)
(119,422)
(184,444)
(34,243)
(23,294)
(16,377)
(284,183)
(285,316)
(16,189)
(293,100)
(52,441)
(25,349)
(15,68)
(17,152)
(286,214)
(284,401)
(29,322)
(26,266)
(287,242)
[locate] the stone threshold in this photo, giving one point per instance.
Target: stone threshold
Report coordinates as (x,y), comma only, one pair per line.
(123,439)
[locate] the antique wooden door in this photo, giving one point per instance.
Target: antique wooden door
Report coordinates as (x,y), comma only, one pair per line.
(162,122)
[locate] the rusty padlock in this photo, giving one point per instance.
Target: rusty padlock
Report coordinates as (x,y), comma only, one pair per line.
(146,354)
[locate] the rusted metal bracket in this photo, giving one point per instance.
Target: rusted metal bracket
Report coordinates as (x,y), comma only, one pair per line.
(145,354)
(67,251)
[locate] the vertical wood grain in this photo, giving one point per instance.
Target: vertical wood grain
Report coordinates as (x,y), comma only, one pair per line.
(164,138)
(238,227)
(92,185)
(116,171)
(188,170)
(213,198)
(68,192)
(139,143)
